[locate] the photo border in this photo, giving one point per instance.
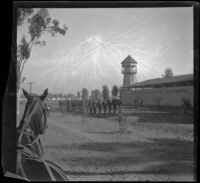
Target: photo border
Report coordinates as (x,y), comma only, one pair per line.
(10,95)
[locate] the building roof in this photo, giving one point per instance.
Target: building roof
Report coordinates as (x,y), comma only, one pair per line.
(129,59)
(165,80)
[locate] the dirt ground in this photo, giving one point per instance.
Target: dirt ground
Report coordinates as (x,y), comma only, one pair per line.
(158,146)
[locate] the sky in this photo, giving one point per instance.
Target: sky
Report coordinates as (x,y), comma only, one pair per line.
(99,39)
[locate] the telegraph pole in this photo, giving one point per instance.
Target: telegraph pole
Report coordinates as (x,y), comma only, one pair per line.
(31,83)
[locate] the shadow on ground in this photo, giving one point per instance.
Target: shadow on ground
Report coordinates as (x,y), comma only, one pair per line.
(147,116)
(109,132)
(165,168)
(164,156)
(173,118)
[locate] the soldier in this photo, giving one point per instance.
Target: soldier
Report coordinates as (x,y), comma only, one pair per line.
(99,105)
(60,103)
(80,105)
(69,105)
(141,101)
(90,106)
(105,106)
(120,115)
(94,105)
(114,103)
(186,105)
(183,104)
(64,106)
(122,120)
(119,103)
(84,112)
(109,105)
(77,105)
(136,103)
(73,105)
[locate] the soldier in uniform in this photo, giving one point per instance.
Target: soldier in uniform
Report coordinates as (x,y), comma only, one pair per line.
(84,112)
(61,107)
(73,105)
(99,105)
(105,106)
(90,106)
(109,106)
(186,105)
(114,103)
(122,120)
(119,103)
(94,105)
(69,105)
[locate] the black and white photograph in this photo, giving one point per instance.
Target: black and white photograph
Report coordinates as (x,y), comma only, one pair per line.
(103,93)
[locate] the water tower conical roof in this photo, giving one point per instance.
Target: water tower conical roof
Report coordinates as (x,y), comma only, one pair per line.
(129,59)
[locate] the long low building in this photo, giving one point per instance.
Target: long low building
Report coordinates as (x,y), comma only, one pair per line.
(166,91)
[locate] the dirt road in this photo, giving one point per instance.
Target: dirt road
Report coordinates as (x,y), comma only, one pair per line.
(97,151)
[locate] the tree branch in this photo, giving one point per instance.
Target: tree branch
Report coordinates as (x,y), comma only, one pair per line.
(22,62)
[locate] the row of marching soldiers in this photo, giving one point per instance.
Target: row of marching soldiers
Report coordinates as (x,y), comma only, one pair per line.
(91,106)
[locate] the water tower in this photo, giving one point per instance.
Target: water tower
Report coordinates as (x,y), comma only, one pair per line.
(129,69)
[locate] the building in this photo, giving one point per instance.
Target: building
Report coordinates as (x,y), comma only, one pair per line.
(171,81)
(166,91)
(129,69)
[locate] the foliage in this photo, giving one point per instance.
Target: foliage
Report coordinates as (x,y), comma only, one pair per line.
(85,93)
(92,94)
(105,92)
(115,90)
(40,23)
(97,94)
(23,49)
(78,94)
(168,72)
(22,14)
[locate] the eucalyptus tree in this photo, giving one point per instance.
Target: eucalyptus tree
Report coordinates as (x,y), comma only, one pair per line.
(168,72)
(105,92)
(39,23)
(115,91)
